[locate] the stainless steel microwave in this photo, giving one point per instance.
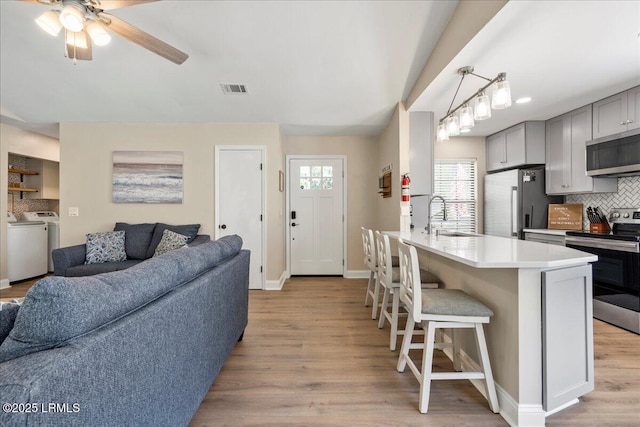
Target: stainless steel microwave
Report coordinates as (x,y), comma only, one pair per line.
(614,155)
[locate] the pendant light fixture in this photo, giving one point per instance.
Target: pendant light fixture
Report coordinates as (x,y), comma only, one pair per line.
(451,124)
(72,18)
(50,22)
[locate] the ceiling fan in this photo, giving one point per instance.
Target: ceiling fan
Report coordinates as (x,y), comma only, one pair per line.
(85,22)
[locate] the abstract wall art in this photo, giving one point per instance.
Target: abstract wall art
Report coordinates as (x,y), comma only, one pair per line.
(147,176)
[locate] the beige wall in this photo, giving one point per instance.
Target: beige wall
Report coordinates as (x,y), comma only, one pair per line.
(362,181)
(86,172)
(467,148)
(29,144)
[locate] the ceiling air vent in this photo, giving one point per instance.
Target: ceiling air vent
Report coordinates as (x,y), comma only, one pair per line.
(233,88)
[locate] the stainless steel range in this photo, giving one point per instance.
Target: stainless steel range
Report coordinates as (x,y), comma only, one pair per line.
(616,274)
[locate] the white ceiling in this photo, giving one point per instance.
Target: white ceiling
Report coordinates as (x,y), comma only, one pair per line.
(314,67)
(563,54)
(328,68)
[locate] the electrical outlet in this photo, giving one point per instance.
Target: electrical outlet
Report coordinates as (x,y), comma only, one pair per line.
(74,212)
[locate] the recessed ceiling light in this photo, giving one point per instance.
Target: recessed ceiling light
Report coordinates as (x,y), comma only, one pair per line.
(523,100)
(465,130)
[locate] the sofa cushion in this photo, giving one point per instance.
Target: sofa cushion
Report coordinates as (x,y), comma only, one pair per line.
(57,309)
(105,267)
(190,230)
(169,242)
(8,313)
(137,238)
(105,247)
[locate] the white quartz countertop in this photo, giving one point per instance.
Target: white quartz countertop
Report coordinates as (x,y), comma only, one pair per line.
(547,231)
(483,251)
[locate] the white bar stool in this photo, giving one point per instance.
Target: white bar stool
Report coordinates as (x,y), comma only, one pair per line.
(389,278)
(440,308)
(371,262)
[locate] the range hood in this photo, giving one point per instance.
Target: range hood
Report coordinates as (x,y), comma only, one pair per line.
(614,155)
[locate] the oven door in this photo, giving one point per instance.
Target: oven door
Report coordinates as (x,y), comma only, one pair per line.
(616,274)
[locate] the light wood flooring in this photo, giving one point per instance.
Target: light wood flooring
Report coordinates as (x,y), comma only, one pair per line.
(312,356)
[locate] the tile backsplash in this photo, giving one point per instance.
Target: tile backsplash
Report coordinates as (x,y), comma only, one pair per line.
(628,196)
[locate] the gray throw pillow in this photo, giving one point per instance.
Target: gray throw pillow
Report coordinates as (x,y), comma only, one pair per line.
(105,247)
(8,313)
(137,238)
(189,230)
(169,242)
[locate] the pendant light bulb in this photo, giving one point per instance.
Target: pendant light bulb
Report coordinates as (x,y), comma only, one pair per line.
(466,118)
(501,95)
(442,134)
(453,126)
(482,110)
(50,22)
(72,18)
(98,34)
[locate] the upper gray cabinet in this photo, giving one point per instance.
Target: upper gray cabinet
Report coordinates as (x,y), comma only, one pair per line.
(617,113)
(566,169)
(519,145)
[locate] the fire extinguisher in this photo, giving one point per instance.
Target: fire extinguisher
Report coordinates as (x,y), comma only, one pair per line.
(405,187)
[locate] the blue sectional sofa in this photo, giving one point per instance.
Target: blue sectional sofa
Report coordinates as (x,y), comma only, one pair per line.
(141,241)
(137,347)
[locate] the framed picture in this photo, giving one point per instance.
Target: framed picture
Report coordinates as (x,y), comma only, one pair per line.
(281,181)
(147,176)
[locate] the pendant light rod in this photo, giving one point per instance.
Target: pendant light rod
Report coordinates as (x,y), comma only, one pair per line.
(464,71)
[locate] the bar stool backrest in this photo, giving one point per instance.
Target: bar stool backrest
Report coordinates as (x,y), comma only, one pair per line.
(369,248)
(410,286)
(385,268)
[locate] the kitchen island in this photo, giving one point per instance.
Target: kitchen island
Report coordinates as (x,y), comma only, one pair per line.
(540,338)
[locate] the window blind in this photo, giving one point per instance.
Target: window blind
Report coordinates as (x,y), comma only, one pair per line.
(456,181)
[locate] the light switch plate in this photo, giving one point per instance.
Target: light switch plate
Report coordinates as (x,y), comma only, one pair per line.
(74,212)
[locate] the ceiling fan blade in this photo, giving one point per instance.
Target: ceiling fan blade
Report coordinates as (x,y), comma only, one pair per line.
(143,39)
(44,2)
(117,4)
(80,53)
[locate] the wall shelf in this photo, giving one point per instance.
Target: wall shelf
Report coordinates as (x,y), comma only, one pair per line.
(22,173)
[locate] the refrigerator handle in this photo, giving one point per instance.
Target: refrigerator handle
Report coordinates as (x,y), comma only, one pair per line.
(514,211)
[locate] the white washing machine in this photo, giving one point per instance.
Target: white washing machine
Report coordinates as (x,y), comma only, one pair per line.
(53,224)
(26,248)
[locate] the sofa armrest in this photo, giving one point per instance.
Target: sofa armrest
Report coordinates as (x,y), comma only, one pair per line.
(200,239)
(64,258)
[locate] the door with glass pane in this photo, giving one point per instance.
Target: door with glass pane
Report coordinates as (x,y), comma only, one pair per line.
(316,216)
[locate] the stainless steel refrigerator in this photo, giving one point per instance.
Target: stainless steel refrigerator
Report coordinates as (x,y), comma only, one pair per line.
(514,200)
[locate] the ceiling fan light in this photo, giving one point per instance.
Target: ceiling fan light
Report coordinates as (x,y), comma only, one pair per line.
(466,118)
(98,34)
(483,107)
(72,18)
(501,97)
(441,133)
(50,22)
(78,39)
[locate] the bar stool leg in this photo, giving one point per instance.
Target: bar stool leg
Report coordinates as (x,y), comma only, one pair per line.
(427,366)
(394,319)
(376,298)
(369,288)
(383,309)
(455,337)
(406,343)
(486,367)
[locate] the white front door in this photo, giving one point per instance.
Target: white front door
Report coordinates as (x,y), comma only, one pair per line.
(316,229)
(239,202)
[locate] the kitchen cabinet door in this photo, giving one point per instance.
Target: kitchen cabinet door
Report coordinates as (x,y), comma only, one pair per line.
(514,146)
(495,151)
(519,145)
(617,113)
(557,168)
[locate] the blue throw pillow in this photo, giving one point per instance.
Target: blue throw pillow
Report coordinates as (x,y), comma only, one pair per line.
(105,247)
(137,238)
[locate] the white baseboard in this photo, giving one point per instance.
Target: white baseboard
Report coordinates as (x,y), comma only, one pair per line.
(357,274)
(276,285)
(517,415)
(4,283)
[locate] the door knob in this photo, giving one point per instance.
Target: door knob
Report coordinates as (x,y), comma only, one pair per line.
(223,226)
(293,224)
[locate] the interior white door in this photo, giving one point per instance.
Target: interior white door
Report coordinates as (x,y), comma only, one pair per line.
(239,203)
(316,217)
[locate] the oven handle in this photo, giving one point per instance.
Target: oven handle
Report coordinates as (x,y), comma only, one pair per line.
(617,245)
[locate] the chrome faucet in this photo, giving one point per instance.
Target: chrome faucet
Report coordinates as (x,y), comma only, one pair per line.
(429,227)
